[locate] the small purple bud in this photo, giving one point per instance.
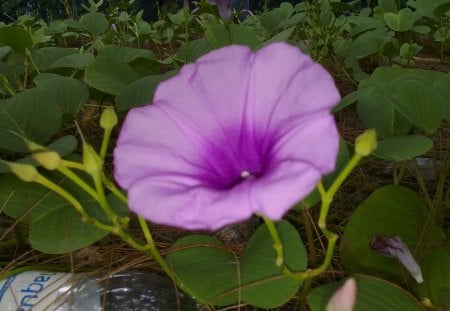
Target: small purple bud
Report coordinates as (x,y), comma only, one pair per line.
(113,27)
(394,247)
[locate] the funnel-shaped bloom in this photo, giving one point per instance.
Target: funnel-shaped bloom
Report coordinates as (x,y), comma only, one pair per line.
(234,134)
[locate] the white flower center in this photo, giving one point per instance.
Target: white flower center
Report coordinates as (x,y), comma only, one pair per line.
(246,175)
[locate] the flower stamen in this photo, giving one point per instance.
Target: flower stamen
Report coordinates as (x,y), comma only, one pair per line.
(247,175)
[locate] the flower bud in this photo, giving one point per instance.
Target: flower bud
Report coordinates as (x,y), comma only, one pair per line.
(91,160)
(108,119)
(25,172)
(344,298)
(366,143)
(48,159)
(33,147)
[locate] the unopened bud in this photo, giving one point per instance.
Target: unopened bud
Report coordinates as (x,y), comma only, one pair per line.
(108,119)
(92,162)
(25,172)
(33,147)
(50,160)
(344,298)
(366,143)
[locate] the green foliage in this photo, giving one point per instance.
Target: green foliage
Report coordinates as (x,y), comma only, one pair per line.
(214,274)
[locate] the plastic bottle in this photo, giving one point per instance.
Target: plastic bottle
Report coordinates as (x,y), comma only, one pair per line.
(125,291)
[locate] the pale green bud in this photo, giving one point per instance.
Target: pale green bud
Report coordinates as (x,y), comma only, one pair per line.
(48,159)
(108,119)
(366,143)
(92,162)
(25,172)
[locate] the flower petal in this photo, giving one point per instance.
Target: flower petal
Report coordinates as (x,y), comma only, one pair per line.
(286,83)
(211,94)
(168,201)
(282,187)
(313,140)
(151,143)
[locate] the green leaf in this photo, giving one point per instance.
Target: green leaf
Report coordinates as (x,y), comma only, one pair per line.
(376,109)
(272,19)
(401,21)
(139,92)
(16,38)
(405,147)
(420,105)
(210,270)
(436,275)
(125,54)
(220,36)
(207,268)
(55,226)
(369,43)
(263,283)
(442,87)
(80,60)
(33,114)
(108,75)
(190,51)
(244,36)
(372,294)
(389,211)
(45,57)
(94,23)
(69,93)
(62,231)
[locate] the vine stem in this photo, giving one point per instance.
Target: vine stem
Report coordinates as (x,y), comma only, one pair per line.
(327,197)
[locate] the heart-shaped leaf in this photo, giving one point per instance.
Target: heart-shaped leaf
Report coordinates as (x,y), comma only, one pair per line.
(207,268)
(108,75)
(94,23)
(213,273)
(420,104)
(32,113)
(16,38)
(401,21)
(69,93)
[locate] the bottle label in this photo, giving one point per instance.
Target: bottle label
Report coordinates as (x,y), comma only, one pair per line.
(34,290)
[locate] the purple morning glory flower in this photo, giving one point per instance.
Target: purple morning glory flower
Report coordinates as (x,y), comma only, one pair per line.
(236,133)
(394,247)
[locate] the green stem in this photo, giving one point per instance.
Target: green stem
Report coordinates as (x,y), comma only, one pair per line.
(277,244)
(327,197)
(72,164)
(423,185)
(153,249)
(33,63)
(76,179)
(75,203)
(105,142)
(111,187)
